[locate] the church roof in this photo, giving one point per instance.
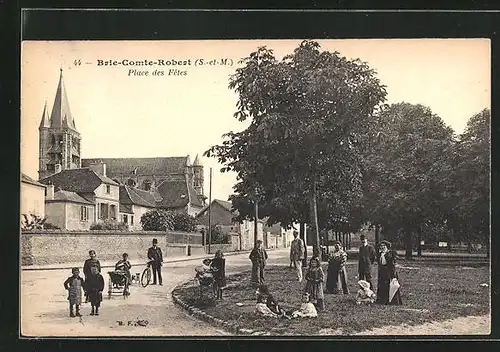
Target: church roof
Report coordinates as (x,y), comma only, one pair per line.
(26,179)
(130,195)
(82,180)
(61,114)
(177,194)
(142,166)
(67,196)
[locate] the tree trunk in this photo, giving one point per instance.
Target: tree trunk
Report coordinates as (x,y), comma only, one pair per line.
(408,244)
(377,235)
(419,243)
(302,231)
(314,221)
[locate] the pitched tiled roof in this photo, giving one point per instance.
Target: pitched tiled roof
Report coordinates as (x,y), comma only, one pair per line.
(174,193)
(142,166)
(130,195)
(67,196)
(226,205)
(27,179)
(126,208)
(82,180)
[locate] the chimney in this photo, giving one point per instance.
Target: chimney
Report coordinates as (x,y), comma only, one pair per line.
(99,168)
(58,168)
(50,192)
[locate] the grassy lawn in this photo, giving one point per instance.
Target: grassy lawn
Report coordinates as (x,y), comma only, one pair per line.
(430,292)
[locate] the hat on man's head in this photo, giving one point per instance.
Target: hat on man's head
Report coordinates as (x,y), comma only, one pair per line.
(155,240)
(362,237)
(386,243)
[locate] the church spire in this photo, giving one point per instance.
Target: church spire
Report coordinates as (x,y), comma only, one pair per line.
(61,114)
(45,122)
(197,161)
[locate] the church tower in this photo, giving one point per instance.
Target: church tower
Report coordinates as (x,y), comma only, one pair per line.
(198,178)
(60,142)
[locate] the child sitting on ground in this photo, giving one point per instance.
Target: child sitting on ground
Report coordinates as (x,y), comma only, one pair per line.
(267,305)
(365,294)
(307,309)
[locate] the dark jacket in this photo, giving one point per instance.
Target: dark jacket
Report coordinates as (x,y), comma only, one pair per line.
(155,254)
(367,256)
(94,283)
(258,256)
(89,263)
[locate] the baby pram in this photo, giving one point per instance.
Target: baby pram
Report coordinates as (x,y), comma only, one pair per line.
(118,283)
(204,275)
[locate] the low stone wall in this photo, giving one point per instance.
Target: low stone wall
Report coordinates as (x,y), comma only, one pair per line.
(225,248)
(54,247)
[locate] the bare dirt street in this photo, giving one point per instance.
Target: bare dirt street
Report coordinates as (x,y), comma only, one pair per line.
(45,312)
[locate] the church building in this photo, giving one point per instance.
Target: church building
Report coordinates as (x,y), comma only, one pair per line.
(171,183)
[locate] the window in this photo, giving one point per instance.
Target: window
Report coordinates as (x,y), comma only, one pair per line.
(84,213)
(131,219)
(104,211)
(108,189)
(125,219)
(112,211)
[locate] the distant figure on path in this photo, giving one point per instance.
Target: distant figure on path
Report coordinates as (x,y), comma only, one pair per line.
(315,278)
(258,256)
(367,257)
(297,249)
(155,254)
(337,275)
(386,273)
(87,266)
(74,285)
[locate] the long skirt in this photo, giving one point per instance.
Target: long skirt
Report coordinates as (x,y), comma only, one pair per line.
(384,279)
(315,290)
(336,280)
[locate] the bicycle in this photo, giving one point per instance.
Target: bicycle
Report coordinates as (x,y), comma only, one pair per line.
(147,274)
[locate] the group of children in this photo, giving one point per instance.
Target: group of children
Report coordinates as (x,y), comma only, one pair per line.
(93,285)
(312,299)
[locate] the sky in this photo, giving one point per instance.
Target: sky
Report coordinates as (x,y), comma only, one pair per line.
(120,113)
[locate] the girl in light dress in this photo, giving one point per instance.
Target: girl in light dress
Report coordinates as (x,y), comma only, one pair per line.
(307,309)
(365,295)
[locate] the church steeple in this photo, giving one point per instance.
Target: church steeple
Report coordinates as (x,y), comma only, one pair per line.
(60,142)
(61,114)
(45,122)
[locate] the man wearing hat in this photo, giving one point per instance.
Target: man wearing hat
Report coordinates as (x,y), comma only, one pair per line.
(367,256)
(154,254)
(297,254)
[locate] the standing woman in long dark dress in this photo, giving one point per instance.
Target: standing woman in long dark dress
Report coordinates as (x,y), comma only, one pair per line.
(387,272)
(336,279)
(218,266)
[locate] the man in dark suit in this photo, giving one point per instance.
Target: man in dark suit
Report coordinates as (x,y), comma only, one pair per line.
(154,254)
(367,256)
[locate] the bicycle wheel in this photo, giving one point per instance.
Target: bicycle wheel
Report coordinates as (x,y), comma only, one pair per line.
(146,277)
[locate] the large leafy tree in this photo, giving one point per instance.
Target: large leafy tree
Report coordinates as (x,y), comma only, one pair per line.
(469,196)
(309,112)
(402,170)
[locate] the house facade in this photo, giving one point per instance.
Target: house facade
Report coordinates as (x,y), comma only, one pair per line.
(222,214)
(88,184)
(67,210)
(133,204)
(32,197)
